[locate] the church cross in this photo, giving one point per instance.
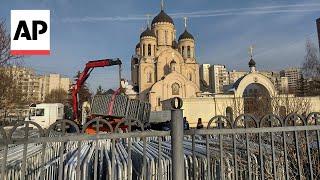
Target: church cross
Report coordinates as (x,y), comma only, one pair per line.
(162,5)
(148,17)
(251,50)
(185,23)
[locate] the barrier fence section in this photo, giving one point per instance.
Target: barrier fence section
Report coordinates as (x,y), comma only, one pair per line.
(244,148)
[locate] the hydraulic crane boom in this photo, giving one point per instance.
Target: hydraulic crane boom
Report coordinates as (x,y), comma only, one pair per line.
(84,76)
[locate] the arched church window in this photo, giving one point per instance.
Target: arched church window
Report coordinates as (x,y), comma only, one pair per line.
(149,49)
(149,80)
(157,37)
(171,37)
(154,50)
(190,77)
(175,89)
(144,50)
(159,101)
(182,51)
(165,37)
(173,65)
(188,51)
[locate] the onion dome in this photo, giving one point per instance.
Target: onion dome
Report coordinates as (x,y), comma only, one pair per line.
(175,45)
(162,17)
(138,46)
(186,35)
(252,63)
(147,32)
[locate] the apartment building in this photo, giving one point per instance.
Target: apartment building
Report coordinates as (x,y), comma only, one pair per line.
(293,75)
(36,87)
(280,82)
(218,78)
(27,82)
(44,83)
(56,82)
(234,75)
(221,80)
(205,78)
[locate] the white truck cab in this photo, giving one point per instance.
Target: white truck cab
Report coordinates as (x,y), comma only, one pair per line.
(46,114)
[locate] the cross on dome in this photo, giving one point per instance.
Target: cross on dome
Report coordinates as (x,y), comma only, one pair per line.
(251,51)
(185,22)
(162,5)
(252,63)
(148,18)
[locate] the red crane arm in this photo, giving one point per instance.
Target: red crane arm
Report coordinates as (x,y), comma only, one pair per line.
(84,76)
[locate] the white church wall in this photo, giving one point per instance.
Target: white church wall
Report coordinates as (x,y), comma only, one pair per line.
(208,107)
(202,107)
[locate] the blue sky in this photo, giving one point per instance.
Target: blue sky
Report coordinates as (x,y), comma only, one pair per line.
(83,30)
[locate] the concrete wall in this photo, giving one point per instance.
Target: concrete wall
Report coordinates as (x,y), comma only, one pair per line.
(203,107)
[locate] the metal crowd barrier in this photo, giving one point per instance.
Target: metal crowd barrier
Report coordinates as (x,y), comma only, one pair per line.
(246,148)
(121,106)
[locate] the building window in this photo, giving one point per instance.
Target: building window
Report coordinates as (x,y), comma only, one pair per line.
(149,80)
(172,36)
(165,37)
(190,77)
(149,49)
(188,51)
(159,101)
(175,89)
(182,51)
(143,50)
(154,50)
(157,37)
(173,65)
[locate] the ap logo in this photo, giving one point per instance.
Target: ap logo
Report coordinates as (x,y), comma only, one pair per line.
(30,32)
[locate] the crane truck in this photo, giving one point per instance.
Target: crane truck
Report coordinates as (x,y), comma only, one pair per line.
(109,107)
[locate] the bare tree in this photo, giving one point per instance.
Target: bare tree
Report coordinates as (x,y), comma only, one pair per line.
(5,57)
(11,95)
(261,104)
(238,106)
(284,104)
(311,65)
(57,96)
(84,93)
(310,82)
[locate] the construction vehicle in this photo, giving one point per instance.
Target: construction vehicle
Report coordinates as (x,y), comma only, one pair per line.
(81,80)
(109,107)
(45,114)
(84,76)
